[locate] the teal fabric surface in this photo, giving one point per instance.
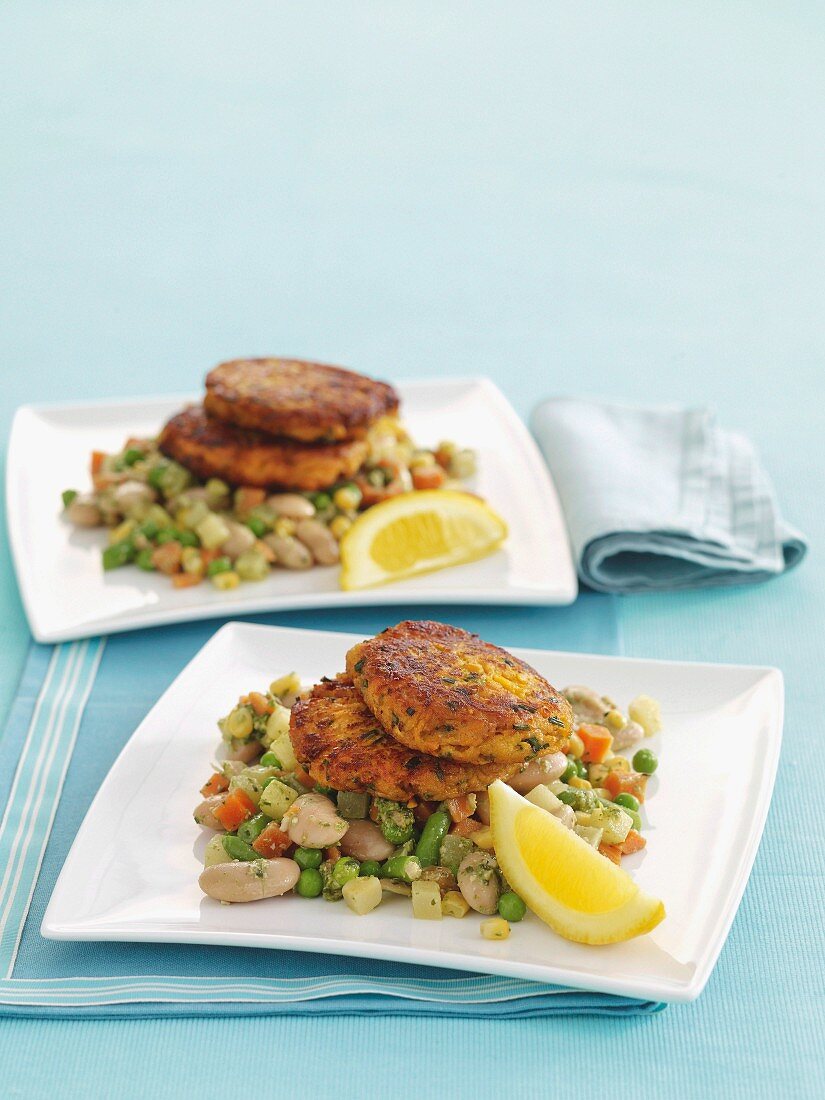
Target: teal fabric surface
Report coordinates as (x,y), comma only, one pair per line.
(76,707)
(620,201)
(662,499)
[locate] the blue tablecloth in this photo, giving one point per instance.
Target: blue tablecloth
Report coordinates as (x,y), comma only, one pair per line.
(621,201)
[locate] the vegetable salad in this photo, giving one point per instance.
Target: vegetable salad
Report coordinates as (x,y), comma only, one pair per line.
(276,831)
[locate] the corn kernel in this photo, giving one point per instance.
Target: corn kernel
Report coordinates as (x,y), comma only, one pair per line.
(581,784)
(284,527)
(339,526)
(121,532)
(483,838)
(347,498)
(225,581)
(615,720)
(454,904)
(576,746)
(496,928)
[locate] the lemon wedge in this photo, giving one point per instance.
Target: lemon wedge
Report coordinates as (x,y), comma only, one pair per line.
(580,894)
(415,533)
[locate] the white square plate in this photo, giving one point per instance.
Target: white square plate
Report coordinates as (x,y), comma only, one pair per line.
(67,595)
(703,828)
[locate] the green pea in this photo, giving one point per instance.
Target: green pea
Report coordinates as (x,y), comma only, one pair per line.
(627,801)
(236,848)
(188,538)
(131,455)
(308,859)
(645,762)
(322,501)
(219,565)
(309,884)
(149,529)
(581,769)
(370,868)
(346,868)
(252,829)
(436,828)
(144,560)
(511,907)
(256,526)
(120,553)
(569,771)
(155,476)
(67,496)
(270,760)
(166,534)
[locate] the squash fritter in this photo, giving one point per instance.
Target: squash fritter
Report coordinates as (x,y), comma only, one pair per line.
(309,402)
(338,741)
(442,691)
(212,448)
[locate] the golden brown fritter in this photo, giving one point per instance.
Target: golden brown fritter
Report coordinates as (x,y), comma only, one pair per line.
(338,741)
(212,448)
(301,400)
(442,691)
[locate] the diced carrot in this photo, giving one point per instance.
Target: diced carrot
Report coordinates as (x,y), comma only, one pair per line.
(629,782)
(304,778)
(428,477)
(259,703)
(265,551)
(166,558)
(612,851)
(216,784)
(598,741)
(466,827)
(633,842)
(332,853)
(271,842)
(185,580)
(248,498)
(237,808)
(97,461)
(461,807)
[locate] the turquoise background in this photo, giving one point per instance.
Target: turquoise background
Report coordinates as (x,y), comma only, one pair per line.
(617,199)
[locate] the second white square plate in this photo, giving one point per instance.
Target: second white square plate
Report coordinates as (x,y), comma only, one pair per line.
(132,873)
(67,595)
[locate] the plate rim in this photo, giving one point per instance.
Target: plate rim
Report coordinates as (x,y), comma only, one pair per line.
(669,991)
(564,594)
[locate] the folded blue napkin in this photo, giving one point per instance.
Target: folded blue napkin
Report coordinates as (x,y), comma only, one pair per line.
(75,707)
(662,498)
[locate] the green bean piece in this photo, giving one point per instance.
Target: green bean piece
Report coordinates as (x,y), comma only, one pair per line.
(219,565)
(581,769)
(120,553)
(144,560)
(346,868)
(405,868)
(308,859)
(634,817)
(436,828)
(310,883)
(370,868)
(188,538)
(67,496)
(569,771)
(511,907)
(270,760)
(132,455)
(252,829)
(396,822)
(236,848)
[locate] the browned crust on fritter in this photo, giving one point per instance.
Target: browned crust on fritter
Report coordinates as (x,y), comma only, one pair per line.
(442,691)
(212,448)
(298,399)
(338,741)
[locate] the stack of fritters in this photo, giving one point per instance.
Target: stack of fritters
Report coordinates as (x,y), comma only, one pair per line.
(429,711)
(279,424)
